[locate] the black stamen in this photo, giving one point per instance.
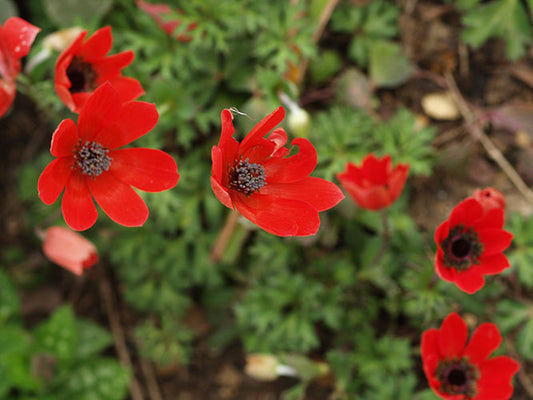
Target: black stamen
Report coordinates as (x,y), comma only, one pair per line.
(462,248)
(82,76)
(246,177)
(92,159)
(458,377)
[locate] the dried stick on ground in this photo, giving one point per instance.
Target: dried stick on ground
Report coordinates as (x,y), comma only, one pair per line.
(118,333)
(472,125)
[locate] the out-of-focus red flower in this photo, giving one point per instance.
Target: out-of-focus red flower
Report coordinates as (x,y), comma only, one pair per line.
(69,249)
(157,12)
(375,184)
(16,38)
(470,244)
(90,163)
(489,198)
(84,66)
(268,187)
(456,370)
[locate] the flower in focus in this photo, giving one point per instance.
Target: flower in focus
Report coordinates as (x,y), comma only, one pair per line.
(470,244)
(69,249)
(489,198)
(157,12)
(268,187)
(375,184)
(456,370)
(16,38)
(84,66)
(90,164)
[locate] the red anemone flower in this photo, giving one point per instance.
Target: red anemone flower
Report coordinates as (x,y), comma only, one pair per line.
(69,249)
(272,190)
(157,12)
(375,184)
(16,38)
(84,66)
(470,244)
(89,163)
(456,370)
(489,198)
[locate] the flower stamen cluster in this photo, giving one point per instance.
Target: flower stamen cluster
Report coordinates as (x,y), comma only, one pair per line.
(462,248)
(246,177)
(92,158)
(82,76)
(458,376)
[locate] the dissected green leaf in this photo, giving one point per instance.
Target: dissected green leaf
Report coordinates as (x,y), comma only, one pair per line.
(9,300)
(388,64)
(92,338)
(66,13)
(524,340)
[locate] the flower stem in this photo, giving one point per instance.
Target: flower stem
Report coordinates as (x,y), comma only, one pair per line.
(222,240)
(385,236)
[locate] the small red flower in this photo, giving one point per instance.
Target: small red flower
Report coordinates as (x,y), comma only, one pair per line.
(272,190)
(16,38)
(375,184)
(456,370)
(157,12)
(84,66)
(489,198)
(470,244)
(90,163)
(69,249)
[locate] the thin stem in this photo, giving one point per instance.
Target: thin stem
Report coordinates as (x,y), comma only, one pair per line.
(222,240)
(385,234)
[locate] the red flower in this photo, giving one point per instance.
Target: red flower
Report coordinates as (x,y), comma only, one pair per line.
(470,244)
(16,38)
(456,370)
(489,198)
(157,12)
(89,163)
(375,184)
(266,187)
(84,66)
(69,249)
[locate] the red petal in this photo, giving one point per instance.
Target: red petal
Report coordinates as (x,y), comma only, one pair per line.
(397,181)
(97,46)
(64,139)
(134,120)
(371,198)
(452,336)
(19,36)
(227,128)
(262,128)
(446,273)
(150,170)
(54,178)
(483,342)
(78,207)
(430,344)
(493,219)
(467,212)
(128,88)
(494,264)
(293,168)
(494,240)
(8,91)
(79,100)
(441,232)
(495,380)
(118,200)
(110,67)
(471,280)
(103,107)
(376,170)
(279,137)
(278,216)
(319,193)
(221,193)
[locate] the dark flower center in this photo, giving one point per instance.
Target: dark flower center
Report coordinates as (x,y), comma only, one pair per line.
(457,377)
(246,177)
(92,158)
(82,76)
(462,248)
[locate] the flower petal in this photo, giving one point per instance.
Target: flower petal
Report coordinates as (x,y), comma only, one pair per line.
(8,91)
(54,178)
(494,264)
(134,120)
(128,88)
(18,36)
(64,139)
(467,212)
(293,168)
(494,240)
(496,375)
(78,207)
(110,67)
(98,45)
(221,193)
(319,193)
(471,280)
(262,128)
(150,170)
(493,219)
(452,336)
(102,107)
(227,128)
(118,200)
(485,339)
(376,170)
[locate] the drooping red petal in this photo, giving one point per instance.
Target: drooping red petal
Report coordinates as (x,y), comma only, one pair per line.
(494,240)
(467,212)
(279,137)
(293,168)
(452,335)
(134,120)
(110,67)
(485,339)
(98,45)
(150,170)
(19,36)
(103,107)
(494,264)
(471,280)
(128,88)
(54,178)
(262,128)
(78,207)
(221,193)
(495,381)
(282,217)
(118,200)
(64,139)
(319,193)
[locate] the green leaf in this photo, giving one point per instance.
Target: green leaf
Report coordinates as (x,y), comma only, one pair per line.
(66,13)
(506,19)
(388,64)
(9,300)
(7,9)
(92,339)
(510,314)
(524,340)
